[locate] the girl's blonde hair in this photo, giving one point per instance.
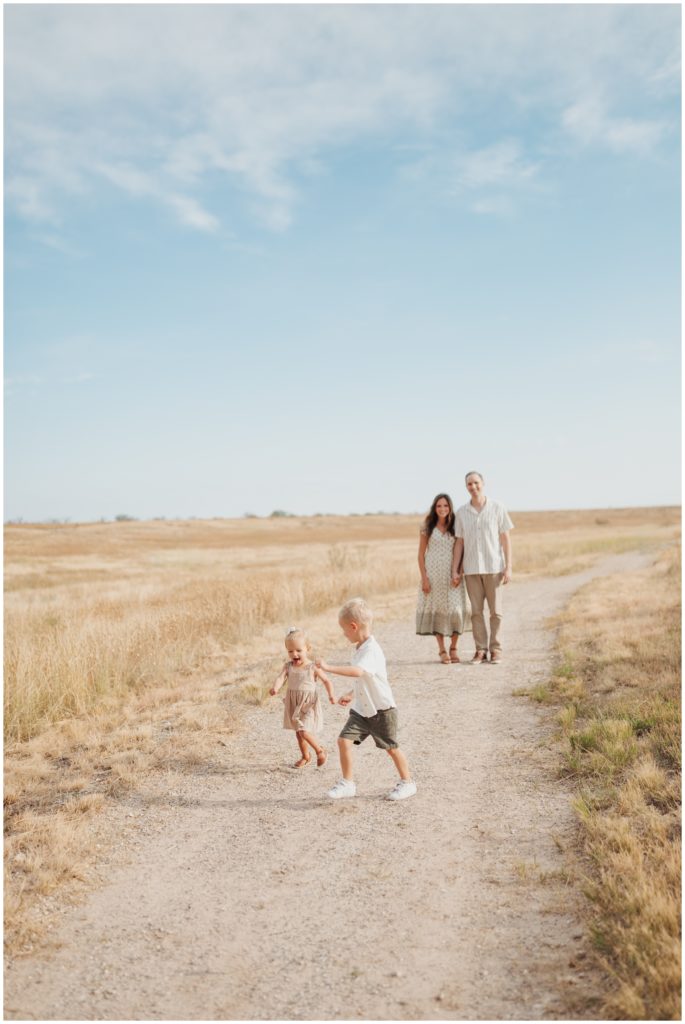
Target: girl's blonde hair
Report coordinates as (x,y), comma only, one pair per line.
(294,631)
(356,610)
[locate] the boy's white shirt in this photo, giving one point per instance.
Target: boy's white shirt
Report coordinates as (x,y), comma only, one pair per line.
(372,691)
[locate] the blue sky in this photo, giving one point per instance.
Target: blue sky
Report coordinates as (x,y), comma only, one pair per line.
(329,258)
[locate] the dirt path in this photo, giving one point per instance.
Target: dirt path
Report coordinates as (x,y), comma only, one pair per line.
(245,894)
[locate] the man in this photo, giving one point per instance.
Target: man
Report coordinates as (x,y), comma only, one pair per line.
(481,528)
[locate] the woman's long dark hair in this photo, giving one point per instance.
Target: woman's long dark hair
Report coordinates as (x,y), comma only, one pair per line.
(431,520)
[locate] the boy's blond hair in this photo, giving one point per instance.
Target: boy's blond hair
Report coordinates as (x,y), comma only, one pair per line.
(356,610)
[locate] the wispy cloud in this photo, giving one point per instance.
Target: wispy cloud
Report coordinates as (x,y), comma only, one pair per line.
(156,99)
(141,184)
(21,384)
(501,163)
(55,241)
(84,377)
(590,123)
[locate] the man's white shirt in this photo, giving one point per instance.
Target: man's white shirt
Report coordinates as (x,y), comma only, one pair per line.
(481,534)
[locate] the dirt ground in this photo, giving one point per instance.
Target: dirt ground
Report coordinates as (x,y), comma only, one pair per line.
(242,892)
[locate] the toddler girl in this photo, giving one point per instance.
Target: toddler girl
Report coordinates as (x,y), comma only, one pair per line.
(302,706)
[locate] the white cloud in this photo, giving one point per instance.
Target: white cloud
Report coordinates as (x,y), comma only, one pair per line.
(138,183)
(128,178)
(22,379)
(499,164)
(29,197)
(164,96)
(590,123)
(52,241)
(191,213)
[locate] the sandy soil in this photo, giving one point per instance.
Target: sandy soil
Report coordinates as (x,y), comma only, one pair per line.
(242,892)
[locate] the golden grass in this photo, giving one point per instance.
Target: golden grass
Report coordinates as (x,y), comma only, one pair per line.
(94,611)
(618,680)
(66,652)
(132,648)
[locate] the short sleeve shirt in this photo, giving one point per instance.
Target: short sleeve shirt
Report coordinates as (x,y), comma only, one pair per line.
(480,532)
(372,691)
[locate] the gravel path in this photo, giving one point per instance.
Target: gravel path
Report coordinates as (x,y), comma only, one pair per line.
(244,893)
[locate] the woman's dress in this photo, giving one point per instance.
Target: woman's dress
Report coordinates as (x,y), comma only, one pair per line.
(302,704)
(445,610)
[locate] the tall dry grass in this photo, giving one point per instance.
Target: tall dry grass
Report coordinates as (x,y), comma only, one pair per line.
(67,652)
(618,681)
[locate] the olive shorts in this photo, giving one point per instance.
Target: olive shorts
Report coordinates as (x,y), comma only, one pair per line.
(382,726)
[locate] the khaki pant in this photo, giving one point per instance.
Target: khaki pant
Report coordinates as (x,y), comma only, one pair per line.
(482,588)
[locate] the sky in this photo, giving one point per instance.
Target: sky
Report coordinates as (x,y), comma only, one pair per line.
(329,258)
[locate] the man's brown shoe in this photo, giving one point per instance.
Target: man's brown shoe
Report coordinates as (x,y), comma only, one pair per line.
(479,657)
(495,658)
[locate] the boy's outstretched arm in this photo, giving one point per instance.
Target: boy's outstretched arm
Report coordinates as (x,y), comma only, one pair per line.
(327,683)
(352,671)
(340,670)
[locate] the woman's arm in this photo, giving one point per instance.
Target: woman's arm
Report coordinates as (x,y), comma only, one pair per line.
(423,544)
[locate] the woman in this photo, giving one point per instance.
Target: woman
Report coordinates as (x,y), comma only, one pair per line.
(441,609)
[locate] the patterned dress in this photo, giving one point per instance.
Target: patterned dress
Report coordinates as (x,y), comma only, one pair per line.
(445,610)
(301,704)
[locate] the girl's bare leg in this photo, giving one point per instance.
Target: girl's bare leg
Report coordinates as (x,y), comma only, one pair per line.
(400,763)
(315,745)
(453,647)
(302,744)
(311,740)
(346,761)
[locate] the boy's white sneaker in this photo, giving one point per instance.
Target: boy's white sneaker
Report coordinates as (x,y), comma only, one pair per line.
(403,789)
(343,788)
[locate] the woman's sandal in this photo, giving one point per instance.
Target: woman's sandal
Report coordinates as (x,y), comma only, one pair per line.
(321,758)
(454,657)
(302,762)
(444,657)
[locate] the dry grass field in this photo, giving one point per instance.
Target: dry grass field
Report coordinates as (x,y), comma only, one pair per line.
(132,647)
(93,611)
(618,684)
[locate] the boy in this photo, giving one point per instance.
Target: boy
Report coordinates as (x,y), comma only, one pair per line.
(373,712)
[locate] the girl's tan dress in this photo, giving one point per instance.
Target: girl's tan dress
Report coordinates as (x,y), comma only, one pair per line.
(301,704)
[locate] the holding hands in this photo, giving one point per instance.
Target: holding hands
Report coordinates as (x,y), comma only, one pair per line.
(322,666)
